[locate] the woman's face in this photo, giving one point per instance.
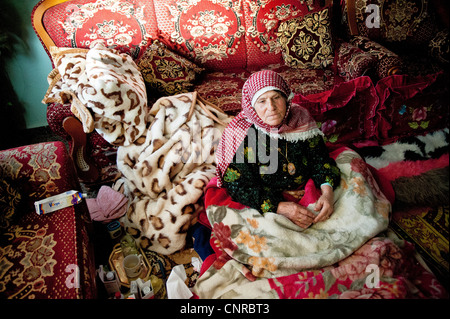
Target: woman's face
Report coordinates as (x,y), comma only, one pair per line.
(271,107)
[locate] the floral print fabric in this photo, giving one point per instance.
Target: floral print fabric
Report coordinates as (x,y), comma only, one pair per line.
(166,72)
(267,256)
(306,42)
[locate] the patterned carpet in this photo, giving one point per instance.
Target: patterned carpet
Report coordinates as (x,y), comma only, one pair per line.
(428,229)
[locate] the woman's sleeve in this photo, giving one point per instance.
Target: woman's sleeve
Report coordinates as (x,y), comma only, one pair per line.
(244,184)
(324,169)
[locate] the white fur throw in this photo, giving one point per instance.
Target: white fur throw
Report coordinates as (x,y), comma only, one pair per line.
(105,88)
(166,170)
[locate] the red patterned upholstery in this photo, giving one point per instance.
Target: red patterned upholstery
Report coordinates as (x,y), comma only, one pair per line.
(224,88)
(262,22)
(123,25)
(42,255)
(411,29)
(230,40)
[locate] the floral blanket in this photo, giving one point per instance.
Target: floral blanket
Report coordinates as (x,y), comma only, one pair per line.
(267,256)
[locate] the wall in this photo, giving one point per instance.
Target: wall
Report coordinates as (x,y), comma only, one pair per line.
(29,66)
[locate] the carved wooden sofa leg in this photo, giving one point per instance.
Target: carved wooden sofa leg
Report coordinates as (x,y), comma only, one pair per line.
(86,169)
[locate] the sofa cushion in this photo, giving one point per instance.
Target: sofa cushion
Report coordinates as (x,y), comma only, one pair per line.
(306,42)
(388,62)
(119,24)
(403,25)
(42,255)
(308,81)
(166,72)
(210,32)
(262,19)
(223,89)
(38,168)
(47,257)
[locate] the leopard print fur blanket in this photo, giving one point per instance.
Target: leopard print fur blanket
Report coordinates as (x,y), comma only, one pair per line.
(166,154)
(166,170)
(105,89)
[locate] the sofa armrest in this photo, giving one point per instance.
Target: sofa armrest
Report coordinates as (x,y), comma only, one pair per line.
(85,167)
(42,170)
(388,63)
(353,62)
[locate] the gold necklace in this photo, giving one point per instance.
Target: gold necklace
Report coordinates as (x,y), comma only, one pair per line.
(289,167)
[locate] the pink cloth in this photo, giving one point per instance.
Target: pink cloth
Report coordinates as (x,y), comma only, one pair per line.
(108,206)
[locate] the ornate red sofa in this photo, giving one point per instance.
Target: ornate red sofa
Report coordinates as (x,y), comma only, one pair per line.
(356,91)
(42,256)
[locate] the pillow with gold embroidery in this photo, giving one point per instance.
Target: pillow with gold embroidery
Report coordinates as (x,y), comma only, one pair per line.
(306,42)
(165,71)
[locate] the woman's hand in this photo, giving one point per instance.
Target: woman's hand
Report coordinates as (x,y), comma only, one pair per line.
(325,204)
(296,213)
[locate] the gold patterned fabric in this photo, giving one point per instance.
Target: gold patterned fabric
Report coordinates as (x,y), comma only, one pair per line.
(306,42)
(428,229)
(166,72)
(44,256)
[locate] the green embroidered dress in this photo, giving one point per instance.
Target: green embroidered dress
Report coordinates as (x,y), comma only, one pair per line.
(298,162)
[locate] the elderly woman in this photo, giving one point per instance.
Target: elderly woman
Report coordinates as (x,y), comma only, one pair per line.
(301,154)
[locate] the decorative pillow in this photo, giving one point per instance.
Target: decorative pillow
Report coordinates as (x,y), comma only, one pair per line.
(403,25)
(353,62)
(211,32)
(119,24)
(165,71)
(10,199)
(262,19)
(306,42)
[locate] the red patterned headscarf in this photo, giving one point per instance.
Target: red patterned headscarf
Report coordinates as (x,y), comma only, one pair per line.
(296,125)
